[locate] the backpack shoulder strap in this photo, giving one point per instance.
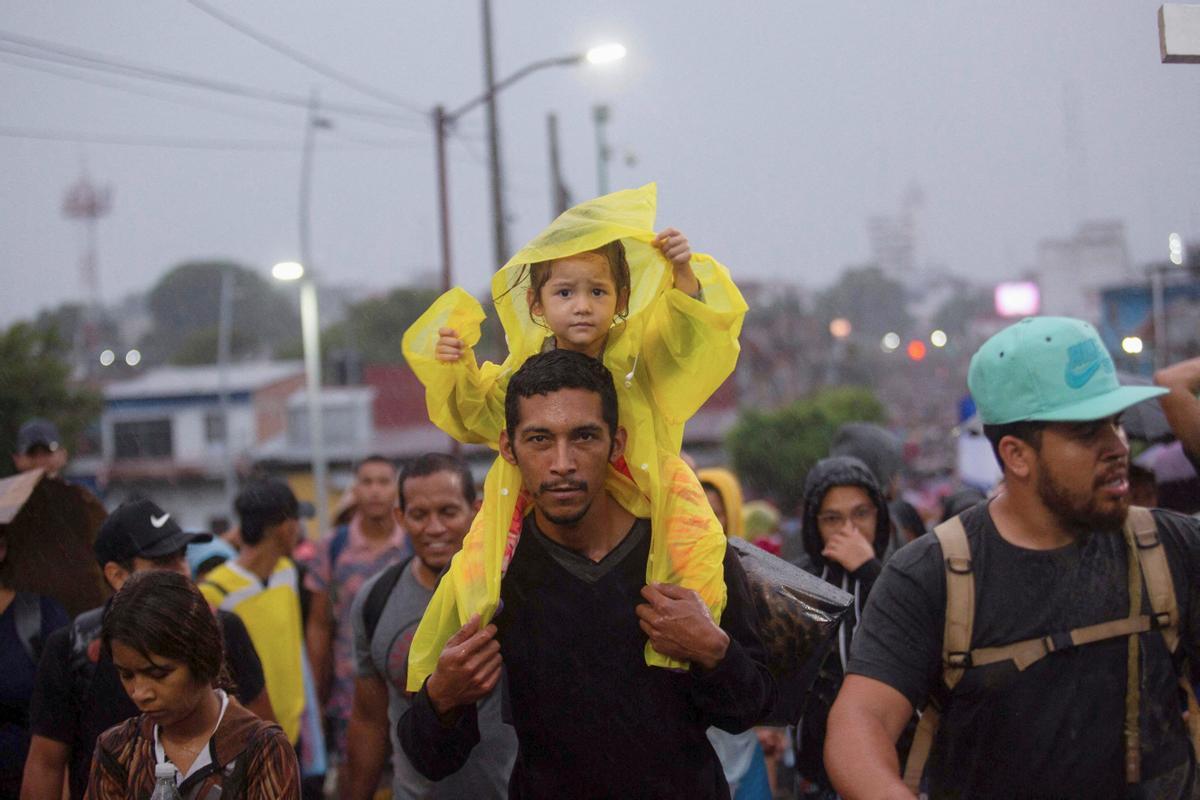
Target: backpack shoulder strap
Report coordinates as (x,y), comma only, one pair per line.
(378,596)
(960,599)
(1161,588)
(216,586)
(341,537)
(1153,557)
(27,617)
(956,638)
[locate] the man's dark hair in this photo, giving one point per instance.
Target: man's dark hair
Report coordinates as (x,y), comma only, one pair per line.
(374,458)
(1027,430)
(553,371)
(433,463)
(263,504)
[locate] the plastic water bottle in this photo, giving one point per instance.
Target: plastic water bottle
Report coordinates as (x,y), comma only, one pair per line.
(164,783)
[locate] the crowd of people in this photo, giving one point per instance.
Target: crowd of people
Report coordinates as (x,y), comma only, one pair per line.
(584,628)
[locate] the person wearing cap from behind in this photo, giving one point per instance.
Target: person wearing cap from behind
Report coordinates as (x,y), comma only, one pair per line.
(1030,687)
(39,446)
(78,694)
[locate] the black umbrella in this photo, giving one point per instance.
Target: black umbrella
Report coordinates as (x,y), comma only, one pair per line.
(1145,420)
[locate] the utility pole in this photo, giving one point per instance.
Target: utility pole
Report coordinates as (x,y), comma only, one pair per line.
(560,198)
(603,151)
(309,319)
(224,337)
(440,123)
(499,220)
(87,202)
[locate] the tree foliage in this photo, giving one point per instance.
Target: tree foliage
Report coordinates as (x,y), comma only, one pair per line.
(67,322)
(772,451)
(35,382)
(968,304)
(373,328)
(873,302)
(185,310)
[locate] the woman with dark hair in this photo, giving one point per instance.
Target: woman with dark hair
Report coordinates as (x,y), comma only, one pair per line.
(167,647)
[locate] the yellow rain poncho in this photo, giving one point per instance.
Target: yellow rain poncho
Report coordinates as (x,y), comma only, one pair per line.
(730,489)
(667,357)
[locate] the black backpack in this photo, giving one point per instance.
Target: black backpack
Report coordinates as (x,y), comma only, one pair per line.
(378,596)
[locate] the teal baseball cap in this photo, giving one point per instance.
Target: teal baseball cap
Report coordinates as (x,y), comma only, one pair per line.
(1052,369)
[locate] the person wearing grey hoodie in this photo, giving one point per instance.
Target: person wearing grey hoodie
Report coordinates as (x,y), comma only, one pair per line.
(845,532)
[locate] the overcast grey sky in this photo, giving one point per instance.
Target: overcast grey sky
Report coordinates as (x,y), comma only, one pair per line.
(773,129)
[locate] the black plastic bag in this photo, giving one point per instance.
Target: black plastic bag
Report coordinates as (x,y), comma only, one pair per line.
(796,615)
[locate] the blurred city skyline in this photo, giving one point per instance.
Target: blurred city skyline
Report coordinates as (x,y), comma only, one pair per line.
(775,136)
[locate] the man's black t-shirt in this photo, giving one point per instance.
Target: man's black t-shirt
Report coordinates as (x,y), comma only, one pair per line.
(1055,730)
(58,712)
(592,719)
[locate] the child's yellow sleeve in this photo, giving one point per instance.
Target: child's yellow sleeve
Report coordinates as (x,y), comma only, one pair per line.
(691,345)
(463,398)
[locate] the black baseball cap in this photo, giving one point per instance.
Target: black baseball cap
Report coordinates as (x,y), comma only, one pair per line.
(140,529)
(37,432)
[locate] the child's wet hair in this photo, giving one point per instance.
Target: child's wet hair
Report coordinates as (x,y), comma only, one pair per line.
(618,265)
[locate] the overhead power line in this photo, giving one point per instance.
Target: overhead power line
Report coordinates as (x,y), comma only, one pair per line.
(316,66)
(74,73)
(77,57)
(78,73)
(185,143)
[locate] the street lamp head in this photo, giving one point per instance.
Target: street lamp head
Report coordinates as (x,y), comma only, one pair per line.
(606,53)
(287,271)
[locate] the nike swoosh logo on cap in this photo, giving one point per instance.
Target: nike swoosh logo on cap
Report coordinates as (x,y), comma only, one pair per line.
(158,522)
(1077,378)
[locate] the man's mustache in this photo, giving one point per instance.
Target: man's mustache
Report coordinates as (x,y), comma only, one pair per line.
(561,486)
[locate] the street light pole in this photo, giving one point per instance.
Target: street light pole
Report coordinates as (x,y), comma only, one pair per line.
(310,328)
(310,320)
(443,120)
(499,220)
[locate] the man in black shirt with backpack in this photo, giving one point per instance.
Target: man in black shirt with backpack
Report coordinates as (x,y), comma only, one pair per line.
(1046,635)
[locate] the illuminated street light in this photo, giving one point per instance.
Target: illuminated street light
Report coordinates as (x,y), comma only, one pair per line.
(133,358)
(287,271)
(938,338)
(444,120)
(107,358)
(840,328)
(1132,345)
(891,341)
(1175,248)
(606,53)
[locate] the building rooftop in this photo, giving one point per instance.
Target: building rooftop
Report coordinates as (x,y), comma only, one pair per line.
(203,380)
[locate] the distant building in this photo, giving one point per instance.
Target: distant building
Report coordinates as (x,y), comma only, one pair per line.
(1071,272)
(163,434)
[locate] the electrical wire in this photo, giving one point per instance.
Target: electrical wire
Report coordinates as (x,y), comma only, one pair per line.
(77,57)
(316,66)
(185,143)
(65,72)
(100,80)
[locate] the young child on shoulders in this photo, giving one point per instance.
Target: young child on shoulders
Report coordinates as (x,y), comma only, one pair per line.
(664,321)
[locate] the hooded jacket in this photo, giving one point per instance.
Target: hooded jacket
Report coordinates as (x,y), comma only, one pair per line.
(827,474)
